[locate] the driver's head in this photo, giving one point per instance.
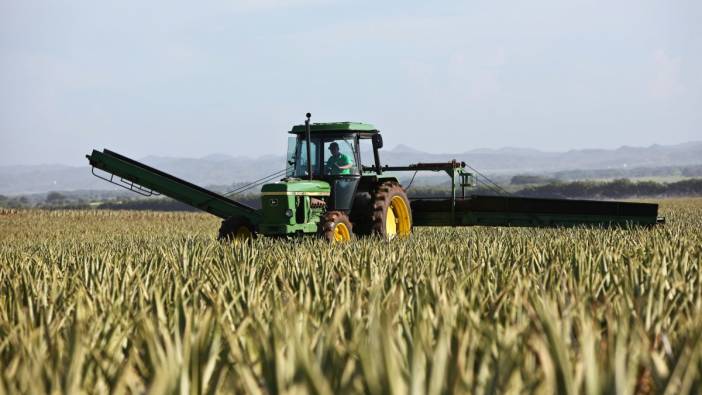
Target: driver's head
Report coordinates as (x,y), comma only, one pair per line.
(334,148)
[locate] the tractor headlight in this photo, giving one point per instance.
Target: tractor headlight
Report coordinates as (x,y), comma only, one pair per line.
(288,213)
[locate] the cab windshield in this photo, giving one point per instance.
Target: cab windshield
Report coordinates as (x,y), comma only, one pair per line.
(330,157)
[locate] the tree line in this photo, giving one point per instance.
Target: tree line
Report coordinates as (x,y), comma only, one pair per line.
(616,189)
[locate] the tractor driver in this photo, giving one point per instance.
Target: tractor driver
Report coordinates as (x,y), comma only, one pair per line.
(338,163)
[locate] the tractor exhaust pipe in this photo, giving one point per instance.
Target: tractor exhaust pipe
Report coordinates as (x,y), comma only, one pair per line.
(309,149)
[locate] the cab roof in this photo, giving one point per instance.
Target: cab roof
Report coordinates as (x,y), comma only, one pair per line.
(336,127)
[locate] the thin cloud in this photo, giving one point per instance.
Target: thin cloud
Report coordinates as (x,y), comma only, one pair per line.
(667,81)
(265,5)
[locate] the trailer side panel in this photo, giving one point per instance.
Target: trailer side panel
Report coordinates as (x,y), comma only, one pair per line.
(522,211)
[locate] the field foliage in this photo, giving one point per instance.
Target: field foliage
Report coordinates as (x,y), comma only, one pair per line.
(133,302)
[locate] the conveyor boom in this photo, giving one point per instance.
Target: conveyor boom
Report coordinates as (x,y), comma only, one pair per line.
(145,180)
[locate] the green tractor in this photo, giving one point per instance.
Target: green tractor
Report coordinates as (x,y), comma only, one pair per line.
(327,191)
(330,191)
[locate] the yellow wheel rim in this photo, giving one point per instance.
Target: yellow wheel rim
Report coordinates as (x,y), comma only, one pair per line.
(397,220)
(341,233)
(243,233)
(390,223)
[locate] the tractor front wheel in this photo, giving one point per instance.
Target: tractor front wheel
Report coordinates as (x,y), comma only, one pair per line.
(236,228)
(391,212)
(335,227)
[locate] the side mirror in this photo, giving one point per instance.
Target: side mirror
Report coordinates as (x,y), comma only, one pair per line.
(377,141)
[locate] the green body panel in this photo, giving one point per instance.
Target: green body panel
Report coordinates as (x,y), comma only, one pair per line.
(173,187)
(288,230)
(287,209)
(298,186)
(338,127)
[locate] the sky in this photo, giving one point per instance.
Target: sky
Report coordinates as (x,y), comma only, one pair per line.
(189,79)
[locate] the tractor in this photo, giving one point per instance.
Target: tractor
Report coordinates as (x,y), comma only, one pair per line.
(328,190)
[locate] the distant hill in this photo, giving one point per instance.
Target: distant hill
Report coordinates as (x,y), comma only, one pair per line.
(517,160)
(222,169)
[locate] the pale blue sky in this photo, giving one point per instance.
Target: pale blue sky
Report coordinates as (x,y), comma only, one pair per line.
(183,78)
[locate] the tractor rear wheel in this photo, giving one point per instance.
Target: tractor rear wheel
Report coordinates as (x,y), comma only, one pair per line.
(335,227)
(236,228)
(391,212)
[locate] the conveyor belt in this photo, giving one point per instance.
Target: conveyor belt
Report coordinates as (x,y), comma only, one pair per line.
(148,177)
(173,178)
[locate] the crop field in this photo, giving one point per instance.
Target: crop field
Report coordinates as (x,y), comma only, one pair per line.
(143,302)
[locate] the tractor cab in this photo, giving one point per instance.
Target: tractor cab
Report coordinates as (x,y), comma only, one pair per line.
(333,156)
(327,189)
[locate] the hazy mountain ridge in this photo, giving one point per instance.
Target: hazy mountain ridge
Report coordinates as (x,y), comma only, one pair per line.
(222,169)
(518,160)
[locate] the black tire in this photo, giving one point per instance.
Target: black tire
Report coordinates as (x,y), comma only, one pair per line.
(335,227)
(389,195)
(236,228)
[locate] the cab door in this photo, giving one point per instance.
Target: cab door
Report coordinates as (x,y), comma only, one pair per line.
(342,169)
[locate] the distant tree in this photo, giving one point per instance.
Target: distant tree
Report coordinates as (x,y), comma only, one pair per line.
(692,171)
(524,179)
(616,189)
(55,197)
(14,202)
(691,187)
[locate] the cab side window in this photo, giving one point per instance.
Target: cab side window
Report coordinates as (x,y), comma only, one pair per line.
(366,148)
(340,157)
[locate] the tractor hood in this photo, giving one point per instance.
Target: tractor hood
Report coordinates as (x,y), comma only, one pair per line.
(297,187)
